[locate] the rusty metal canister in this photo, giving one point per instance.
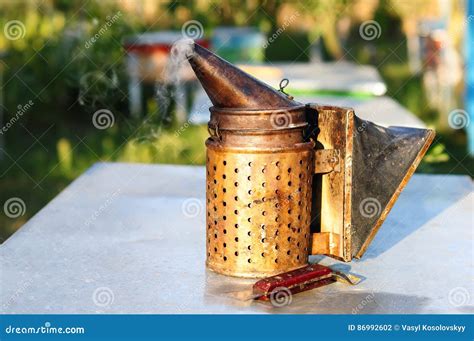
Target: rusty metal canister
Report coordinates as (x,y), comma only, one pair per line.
(260,171)
(259,177)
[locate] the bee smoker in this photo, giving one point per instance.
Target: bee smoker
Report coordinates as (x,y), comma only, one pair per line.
(286,180)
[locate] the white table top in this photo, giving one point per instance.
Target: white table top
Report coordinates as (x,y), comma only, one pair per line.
(337,76)
(117,240)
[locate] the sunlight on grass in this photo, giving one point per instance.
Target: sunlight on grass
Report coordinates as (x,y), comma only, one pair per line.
(185,148)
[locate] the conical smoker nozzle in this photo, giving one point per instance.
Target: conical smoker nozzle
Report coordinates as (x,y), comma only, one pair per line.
(229,87)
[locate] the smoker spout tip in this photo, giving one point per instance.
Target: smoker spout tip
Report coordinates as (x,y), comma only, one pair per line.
(188,46)
(183,49)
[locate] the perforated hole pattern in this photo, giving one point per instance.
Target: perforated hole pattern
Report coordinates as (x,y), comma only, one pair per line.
(258,211)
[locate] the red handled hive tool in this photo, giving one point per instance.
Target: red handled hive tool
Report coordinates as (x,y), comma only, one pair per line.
(277,287)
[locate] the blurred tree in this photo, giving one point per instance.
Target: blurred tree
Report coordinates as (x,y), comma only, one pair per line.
(323,16)
(411,12)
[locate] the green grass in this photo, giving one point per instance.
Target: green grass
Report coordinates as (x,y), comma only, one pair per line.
(448,153)
(64,153)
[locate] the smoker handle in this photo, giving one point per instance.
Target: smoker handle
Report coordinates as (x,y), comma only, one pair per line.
(325,161)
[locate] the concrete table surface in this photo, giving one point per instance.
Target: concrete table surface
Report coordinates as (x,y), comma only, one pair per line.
(130,238)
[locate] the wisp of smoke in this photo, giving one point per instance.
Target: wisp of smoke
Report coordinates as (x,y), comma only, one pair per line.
(165,90)
(180,52)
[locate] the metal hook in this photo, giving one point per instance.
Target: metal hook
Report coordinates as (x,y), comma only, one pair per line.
(214,131)
(283,84)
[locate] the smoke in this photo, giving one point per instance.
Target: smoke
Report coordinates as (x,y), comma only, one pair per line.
(183,47)
(180,52)
(176,70)
(168,90)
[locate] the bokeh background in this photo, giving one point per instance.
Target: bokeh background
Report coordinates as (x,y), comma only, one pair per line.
(65,62)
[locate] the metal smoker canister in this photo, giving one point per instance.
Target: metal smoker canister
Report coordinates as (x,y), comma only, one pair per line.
(259,173)
(260,170)
(259,177)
